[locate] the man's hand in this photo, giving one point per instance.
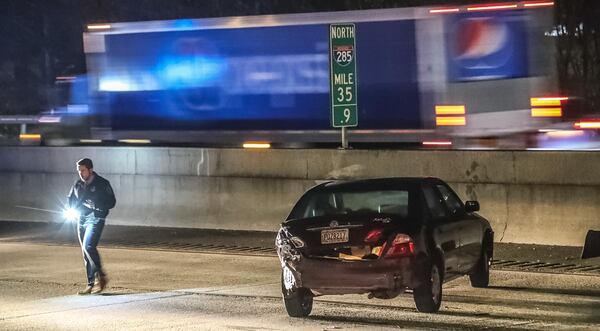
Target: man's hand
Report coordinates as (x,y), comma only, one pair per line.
(88,203)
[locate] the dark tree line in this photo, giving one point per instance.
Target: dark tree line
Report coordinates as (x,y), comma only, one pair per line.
(41,39)
(578,50)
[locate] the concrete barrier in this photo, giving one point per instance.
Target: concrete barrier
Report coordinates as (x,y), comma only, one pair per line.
(530,197)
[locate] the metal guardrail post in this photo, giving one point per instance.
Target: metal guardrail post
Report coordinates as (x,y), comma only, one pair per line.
(344,138)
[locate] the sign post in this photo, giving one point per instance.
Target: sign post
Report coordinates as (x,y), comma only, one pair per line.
(342,45)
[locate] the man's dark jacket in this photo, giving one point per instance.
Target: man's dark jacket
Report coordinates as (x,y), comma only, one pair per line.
(97,197)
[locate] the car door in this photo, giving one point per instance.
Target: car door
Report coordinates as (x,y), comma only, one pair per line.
(445,230)
(468,226)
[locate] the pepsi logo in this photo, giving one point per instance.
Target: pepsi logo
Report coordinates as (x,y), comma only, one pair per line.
(487,46)
(480,37)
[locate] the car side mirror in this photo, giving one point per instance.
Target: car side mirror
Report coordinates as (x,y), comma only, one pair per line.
(471,206)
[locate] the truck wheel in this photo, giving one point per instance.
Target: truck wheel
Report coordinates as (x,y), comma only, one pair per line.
(298,301)
(428,296)
(480,277)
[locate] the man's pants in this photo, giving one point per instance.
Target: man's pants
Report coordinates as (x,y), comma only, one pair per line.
(90,229)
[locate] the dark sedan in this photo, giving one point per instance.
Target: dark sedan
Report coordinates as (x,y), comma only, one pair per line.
(381,237)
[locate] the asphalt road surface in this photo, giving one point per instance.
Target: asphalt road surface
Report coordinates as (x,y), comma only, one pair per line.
(177,290)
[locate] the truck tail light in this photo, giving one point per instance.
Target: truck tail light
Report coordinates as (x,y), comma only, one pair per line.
(492,6)
(587,124)
(547,106)
(96,27)
(450,115)
(402,245)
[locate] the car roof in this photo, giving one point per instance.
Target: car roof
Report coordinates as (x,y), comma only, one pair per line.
(375,183)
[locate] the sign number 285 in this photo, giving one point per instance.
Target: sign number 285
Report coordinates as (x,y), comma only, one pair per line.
(343,58)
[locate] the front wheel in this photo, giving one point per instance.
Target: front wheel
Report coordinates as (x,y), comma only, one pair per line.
(298,301)
(428,296)
(481,274)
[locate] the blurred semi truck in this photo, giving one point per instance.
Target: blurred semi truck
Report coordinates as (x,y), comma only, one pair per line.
(422,74)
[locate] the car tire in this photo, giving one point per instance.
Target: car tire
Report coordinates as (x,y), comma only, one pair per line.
(298,301)
(481,274)
(428,296)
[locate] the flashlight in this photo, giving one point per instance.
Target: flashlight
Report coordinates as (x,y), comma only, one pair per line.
(71,214)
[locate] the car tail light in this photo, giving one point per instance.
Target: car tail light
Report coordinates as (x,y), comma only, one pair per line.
(401,246)
(373,236)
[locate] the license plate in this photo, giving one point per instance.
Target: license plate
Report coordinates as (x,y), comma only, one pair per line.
(334,236)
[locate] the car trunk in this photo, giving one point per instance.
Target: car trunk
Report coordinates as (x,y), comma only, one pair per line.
(355,236)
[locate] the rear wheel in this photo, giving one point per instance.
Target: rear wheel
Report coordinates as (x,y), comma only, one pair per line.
(481,274)
(298,301)
(428,296)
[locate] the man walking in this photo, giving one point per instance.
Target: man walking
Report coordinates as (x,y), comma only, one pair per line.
(92,196)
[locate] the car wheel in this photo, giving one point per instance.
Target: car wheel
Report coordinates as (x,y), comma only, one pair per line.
(298,300)
(428,296)
(481,275)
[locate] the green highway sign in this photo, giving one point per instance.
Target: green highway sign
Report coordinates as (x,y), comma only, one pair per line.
(342,45)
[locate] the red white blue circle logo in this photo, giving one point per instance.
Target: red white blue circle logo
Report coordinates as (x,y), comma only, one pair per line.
(487,46)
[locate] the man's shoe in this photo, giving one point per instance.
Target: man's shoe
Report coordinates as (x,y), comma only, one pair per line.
(100,284)
(86,291)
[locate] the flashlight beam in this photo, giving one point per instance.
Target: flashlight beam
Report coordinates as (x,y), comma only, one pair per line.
(40,209)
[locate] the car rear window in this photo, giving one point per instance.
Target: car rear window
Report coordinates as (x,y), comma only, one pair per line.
(330,203)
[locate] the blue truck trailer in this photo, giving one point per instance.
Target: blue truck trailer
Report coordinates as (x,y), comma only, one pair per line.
(423,73)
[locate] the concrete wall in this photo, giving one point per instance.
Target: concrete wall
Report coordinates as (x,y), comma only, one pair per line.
(529,197)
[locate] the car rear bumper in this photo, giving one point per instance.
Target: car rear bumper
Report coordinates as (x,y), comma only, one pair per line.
(333,276)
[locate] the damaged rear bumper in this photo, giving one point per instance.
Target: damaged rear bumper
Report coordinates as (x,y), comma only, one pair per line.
(334,276)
